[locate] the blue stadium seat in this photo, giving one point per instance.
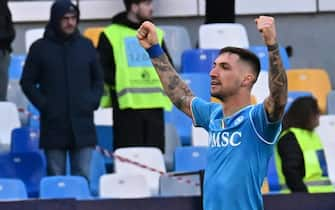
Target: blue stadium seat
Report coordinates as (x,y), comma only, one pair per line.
(27,166)
(16,66)
(198,60)
(12,189)
(263,55)
(24,139)
(200,86)
(98,168)
(34,117)
(105,140)
(272,176)
(189,159)
(64,187)
(293,95)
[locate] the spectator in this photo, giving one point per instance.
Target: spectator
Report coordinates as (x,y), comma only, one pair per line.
(300,160)
(63,79)
(220,11)
(7,35)
(136,94)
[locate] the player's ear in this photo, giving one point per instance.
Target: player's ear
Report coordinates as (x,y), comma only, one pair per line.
(248,80)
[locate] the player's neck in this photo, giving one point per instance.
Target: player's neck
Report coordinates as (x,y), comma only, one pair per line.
(233,104)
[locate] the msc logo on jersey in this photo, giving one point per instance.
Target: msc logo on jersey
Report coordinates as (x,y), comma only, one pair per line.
(224,139)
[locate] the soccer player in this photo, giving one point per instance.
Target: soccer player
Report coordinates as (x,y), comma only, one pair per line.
(242,135)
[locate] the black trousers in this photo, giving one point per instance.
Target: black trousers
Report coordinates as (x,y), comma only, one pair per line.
(138,127)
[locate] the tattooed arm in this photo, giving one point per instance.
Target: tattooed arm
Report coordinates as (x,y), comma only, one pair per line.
(177,90)
(275,103)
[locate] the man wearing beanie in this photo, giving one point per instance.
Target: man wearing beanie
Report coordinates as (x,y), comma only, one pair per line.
(62,77)
(7,35)
(136,94)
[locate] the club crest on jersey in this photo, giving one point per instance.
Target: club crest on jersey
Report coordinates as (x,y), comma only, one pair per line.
(239,120)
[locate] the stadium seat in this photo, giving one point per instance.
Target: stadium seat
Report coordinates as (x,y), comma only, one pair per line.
(64,187)
(199,136)
(219,35)
(98,168)
(263,55)
(148,157)
(121,185)
(261,88)
(190,159)
(33,117)
(331,102)
(326,131)
(172,141)
(93,33)
(272,176)
(103,116)
(16,95)
(315,81)
(28,167)
(25,139)
(8,121)
(198,60)
(200,86)
(33,35)
(180,184)
(12,189)
(16,66)
(177,40)
(293,95)
(105,140)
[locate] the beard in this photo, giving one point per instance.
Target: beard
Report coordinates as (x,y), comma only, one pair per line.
(142,18)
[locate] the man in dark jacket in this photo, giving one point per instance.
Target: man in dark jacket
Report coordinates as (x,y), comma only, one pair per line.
(63,79)
(7,35)
(137,97)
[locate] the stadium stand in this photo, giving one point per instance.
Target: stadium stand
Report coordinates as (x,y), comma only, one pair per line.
(64,187)
(177,40)
(121,185)
(12,189)
(219,35)
(315,81)
(148,157)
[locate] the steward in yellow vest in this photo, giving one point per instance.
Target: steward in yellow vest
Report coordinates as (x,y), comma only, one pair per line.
(299,156)
(132,86)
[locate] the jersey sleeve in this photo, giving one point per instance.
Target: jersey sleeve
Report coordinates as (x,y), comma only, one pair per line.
(267,131)
(201,111)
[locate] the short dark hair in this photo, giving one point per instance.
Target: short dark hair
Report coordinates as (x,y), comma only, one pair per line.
(246,56)
(128,3)
(300,113)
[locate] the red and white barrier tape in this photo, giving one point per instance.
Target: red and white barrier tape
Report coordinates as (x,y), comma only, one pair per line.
(28,114)
(123,159)
(146,167)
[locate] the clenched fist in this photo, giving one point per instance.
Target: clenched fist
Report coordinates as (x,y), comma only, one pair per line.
(147,35)
(266,26)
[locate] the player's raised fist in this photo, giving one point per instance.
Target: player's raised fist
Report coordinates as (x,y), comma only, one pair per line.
(267,28)
(147,34)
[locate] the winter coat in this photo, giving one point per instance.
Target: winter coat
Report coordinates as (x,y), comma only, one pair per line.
(62,77)
(7,31)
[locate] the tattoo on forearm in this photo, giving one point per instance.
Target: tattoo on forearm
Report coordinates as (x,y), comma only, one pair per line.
(278,84)
(174,86)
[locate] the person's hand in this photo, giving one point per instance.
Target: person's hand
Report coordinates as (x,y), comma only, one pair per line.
(266,26)
(147,34)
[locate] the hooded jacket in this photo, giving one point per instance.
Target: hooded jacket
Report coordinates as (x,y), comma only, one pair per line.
(7,31)
(63,79)
(105,50)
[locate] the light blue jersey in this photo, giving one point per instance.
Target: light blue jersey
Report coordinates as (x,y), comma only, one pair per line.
(240,147)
